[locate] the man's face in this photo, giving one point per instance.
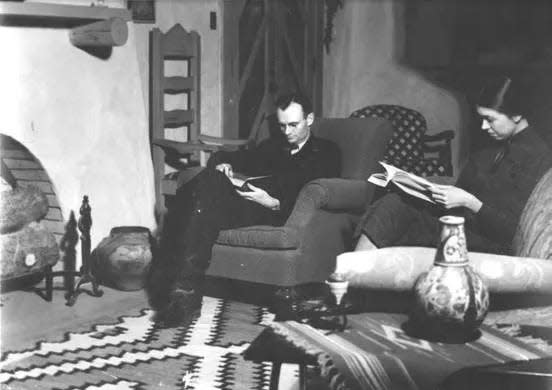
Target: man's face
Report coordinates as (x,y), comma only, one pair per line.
(293,123)
(498,125)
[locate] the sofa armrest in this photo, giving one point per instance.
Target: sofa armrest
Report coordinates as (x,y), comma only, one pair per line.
(397,268)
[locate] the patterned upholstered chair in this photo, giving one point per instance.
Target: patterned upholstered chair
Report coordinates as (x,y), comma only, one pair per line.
(410,147)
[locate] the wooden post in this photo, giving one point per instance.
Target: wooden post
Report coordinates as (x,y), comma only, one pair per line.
(105,33)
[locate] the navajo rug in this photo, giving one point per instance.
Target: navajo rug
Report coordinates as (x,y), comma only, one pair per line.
(130,352)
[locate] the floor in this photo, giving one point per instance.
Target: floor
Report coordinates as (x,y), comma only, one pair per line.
(26,317)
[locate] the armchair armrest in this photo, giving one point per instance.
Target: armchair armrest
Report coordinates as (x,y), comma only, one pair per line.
(437,148)
(330,194)
(224,142)
(183,147)
(445,135)
(320,194)
(397,268)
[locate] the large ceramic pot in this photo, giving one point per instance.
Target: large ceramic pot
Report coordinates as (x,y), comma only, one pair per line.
(122,259)
(451,299)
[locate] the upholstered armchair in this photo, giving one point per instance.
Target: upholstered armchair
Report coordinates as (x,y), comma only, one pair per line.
(322,222)
(410,147)
(527,271)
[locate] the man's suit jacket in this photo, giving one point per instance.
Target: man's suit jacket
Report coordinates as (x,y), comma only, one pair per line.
(289,172)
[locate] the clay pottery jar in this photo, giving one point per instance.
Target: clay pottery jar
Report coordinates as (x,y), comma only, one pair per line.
(451,299)
(122,259)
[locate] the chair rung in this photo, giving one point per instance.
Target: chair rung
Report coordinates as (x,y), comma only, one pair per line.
(177,84)
(177,56)
(178,118)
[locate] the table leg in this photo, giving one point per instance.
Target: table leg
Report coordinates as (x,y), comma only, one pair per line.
(275,375)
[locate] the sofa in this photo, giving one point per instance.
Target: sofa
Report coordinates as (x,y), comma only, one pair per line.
(322,222)
(527,271)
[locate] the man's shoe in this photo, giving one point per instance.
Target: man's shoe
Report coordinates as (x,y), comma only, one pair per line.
(184,307)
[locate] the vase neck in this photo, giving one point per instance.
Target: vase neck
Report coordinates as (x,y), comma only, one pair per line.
(452,249)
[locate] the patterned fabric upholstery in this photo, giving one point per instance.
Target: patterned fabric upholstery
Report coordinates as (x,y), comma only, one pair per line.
(431,167)
(533,237)
(407,147)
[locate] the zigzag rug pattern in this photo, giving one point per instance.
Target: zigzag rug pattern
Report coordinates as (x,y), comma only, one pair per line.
(133,353)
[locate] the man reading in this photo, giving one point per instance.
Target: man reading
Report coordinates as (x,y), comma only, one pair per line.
(210,203)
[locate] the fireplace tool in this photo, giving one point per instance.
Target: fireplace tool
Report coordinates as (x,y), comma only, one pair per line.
(68,245)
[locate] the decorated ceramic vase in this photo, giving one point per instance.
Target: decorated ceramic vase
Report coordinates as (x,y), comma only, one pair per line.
(451,299)
(122,259)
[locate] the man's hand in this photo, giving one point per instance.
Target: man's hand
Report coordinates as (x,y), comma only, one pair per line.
(260,196)
(226,169)
(450,197)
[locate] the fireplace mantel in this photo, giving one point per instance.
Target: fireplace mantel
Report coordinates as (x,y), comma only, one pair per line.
(15,12)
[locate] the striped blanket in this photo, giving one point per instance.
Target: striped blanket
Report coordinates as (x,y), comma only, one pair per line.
(374,352)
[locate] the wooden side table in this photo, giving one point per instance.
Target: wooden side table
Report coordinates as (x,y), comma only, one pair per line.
(270,347)
(377,348)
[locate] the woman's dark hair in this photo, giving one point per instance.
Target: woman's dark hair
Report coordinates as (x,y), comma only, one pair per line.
(283,102)
(503,95)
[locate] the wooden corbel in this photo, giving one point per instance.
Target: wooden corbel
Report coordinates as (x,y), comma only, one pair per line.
(105,33)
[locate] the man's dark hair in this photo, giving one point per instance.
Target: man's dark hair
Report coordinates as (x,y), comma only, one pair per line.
(503,95)
(283,102)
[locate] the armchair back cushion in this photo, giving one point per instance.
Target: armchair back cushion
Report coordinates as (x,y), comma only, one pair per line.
(360,141)
(534,231)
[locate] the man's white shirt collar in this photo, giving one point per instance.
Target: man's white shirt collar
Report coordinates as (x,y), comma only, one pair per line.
(299,146)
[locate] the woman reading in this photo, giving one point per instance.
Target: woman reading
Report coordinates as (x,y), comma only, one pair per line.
(490,192)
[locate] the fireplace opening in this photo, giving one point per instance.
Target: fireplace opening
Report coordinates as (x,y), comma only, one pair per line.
(31,219)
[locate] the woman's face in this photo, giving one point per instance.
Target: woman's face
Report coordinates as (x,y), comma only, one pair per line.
(498,125)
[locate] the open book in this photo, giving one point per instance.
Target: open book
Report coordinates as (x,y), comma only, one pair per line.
(408,182)
(240,180)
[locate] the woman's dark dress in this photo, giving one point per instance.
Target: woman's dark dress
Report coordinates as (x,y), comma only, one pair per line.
(503,186)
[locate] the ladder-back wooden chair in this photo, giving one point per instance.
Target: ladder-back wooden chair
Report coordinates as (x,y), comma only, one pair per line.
(180,147)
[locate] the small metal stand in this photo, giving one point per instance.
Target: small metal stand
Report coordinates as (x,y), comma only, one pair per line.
(85,275)
(67,245)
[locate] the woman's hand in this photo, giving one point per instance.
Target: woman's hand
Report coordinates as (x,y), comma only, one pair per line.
(260,196)
(226,169)
(450,197)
